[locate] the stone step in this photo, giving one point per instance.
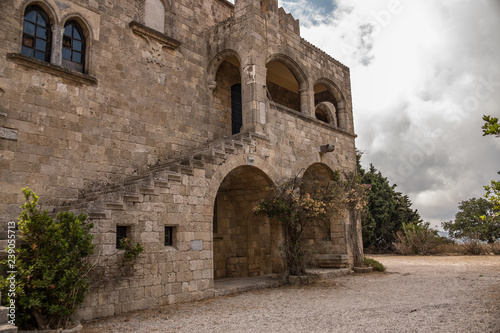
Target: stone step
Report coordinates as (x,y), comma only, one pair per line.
(147,189)
(8,328)
(4,312)
(100,204)
(219,153)
(332,260)
(115,205)
(98,215)
(131,197)
(230,150)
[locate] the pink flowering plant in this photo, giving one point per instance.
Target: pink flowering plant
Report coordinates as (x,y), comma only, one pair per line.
(132,250)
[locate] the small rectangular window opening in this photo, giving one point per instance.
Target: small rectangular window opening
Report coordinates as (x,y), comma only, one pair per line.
(121,233)
(169,236)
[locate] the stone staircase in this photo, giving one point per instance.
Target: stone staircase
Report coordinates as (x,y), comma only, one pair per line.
(5,327)
(114,197)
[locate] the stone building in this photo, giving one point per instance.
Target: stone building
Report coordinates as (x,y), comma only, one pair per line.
(167,121)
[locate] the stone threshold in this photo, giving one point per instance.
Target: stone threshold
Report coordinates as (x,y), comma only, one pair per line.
(231,286)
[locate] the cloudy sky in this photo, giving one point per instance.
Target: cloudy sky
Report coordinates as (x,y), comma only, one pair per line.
(423,73)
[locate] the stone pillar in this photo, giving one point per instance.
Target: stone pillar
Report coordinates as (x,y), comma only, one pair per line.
(305,106)
(248,97)
(56,50)
(342,119)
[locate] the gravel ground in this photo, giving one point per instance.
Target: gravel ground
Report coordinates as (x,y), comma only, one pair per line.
(416,294)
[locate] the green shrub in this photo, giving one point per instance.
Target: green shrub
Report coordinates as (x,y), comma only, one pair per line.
(416,238)
(132,250)
(374,264)
(52,266)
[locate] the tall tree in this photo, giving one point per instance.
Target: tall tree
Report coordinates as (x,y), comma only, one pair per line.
(469,221)
(387,211)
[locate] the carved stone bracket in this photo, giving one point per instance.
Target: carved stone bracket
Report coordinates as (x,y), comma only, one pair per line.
(151,34)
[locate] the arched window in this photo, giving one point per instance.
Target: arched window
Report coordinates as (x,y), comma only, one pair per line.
(73,48)
(36,34)
(320,115)
(154,15)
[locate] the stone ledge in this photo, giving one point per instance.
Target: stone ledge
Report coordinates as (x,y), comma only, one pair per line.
(315,121)
(51,69)
(147,32)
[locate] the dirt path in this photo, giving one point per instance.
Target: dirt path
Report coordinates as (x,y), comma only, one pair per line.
(417,294)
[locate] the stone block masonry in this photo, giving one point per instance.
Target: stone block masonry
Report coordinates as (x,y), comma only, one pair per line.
(176,126)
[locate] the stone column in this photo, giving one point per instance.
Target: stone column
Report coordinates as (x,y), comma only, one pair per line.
(56,50)
(248,97)
(305,106)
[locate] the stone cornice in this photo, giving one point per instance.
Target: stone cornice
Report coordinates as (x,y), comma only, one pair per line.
(52,69)
(147,32)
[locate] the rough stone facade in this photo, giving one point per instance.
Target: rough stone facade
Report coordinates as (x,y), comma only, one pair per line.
(144,136)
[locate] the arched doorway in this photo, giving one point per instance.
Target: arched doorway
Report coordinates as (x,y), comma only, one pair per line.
(319,237)
(227,93)
(244,245)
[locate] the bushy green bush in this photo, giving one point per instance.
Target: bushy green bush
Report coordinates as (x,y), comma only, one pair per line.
(52,265)
(374,264)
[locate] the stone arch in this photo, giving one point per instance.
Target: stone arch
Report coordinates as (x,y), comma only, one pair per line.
(225,81)
(327,159)
(244,245)
(285,92)
(325,111)
(292,66)
(327,91)
(232,163)
(87,32)
(320,237)
(318,171)
(214,65)
(49,10)
(154,8)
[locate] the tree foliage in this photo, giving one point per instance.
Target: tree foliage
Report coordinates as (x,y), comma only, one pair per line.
(298,203)
(52,265)
(492,127)
(386,213)
(475,219)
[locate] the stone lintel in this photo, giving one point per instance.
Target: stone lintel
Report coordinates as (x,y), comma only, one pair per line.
(51,69)
(147,33)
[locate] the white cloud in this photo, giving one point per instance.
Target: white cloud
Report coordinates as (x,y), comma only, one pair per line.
(423,73)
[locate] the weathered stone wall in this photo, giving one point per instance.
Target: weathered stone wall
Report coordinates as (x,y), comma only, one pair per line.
(131,140)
